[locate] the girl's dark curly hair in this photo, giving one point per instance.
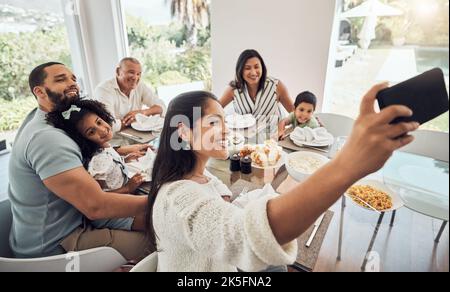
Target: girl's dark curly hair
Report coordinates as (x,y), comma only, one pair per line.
(88,148)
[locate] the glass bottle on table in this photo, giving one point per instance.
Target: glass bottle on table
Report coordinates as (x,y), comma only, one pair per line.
(271,132)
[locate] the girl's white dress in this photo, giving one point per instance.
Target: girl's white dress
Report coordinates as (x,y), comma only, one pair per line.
(108,166)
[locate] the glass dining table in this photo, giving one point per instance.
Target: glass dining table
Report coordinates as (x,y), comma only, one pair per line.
(422,183)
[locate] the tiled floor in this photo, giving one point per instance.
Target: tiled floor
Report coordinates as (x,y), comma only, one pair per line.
(408,246)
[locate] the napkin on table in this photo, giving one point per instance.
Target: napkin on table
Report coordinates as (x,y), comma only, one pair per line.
(317,135)
(243,199)
(150,123)
(143,165)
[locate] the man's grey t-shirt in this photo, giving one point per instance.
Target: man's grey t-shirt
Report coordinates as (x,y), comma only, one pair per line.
(41,220)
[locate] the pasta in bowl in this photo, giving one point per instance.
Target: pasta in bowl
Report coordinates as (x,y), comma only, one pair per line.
(374,193)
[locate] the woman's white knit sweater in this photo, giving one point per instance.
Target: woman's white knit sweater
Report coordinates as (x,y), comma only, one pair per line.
(198,231)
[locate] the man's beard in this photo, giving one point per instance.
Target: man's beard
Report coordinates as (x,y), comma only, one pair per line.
(59,100)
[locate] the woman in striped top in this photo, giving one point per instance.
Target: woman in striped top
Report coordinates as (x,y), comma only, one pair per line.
(253,92)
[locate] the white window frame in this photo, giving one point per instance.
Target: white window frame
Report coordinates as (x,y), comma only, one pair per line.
(120,28)
(80,59)
(85,38)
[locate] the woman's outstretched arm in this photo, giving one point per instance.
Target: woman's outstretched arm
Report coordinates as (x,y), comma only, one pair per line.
(369,146)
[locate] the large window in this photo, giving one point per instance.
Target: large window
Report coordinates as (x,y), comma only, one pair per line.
(31,32)
(407,37)
(171,38)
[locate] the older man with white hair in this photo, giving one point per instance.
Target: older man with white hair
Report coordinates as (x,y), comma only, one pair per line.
(125,96)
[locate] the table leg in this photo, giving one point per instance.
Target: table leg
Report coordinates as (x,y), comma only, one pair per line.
(341,226)
(372,241)
(392,218)
(438,237)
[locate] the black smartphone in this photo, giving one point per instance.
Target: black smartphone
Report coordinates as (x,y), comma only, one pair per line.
(426,95)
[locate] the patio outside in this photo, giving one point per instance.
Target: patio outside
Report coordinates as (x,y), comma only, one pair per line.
(387,40)
(394,64)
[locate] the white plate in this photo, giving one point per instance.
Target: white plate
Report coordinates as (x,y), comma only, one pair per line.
(396,200)
(299,156)
(277,165)
(139,127)
(240,121)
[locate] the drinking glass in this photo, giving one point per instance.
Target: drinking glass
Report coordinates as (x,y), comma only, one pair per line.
(272,128)
(338,144)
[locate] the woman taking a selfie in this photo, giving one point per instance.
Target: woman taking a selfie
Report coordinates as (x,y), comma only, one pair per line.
(196,230)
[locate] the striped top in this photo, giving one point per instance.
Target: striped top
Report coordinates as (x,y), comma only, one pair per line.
(266,104)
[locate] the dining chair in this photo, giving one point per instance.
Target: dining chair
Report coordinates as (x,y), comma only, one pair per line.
(101,259)
(168,92)
(148,264)
(337,125)
(430,144)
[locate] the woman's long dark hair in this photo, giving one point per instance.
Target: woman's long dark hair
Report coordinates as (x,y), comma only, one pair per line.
(239,81)
(87,147)
(172,163)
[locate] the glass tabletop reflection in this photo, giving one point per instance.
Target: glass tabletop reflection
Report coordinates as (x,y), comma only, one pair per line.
(422,183)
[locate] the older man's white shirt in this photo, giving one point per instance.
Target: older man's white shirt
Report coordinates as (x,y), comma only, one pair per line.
(118,104)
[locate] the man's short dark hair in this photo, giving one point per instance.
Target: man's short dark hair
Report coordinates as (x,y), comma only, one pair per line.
(307,97)
(38,75)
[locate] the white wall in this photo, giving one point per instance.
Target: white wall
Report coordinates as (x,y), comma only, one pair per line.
(293,37)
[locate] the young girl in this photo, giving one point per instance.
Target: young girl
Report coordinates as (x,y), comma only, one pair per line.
(88,123)
(303,116)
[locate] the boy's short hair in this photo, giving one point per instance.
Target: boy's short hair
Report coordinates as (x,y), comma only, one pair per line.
(307,97)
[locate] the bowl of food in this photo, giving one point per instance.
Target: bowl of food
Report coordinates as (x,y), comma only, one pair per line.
(265,156)
(302,164)
(374,195)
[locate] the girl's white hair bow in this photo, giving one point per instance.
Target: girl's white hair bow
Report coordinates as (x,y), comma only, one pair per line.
(67,113)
